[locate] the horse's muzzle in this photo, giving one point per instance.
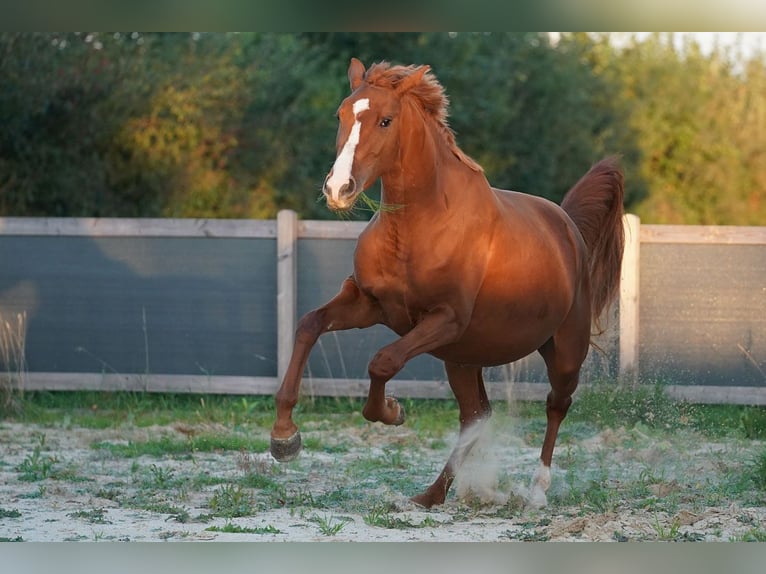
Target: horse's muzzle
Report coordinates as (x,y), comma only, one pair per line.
(342,198)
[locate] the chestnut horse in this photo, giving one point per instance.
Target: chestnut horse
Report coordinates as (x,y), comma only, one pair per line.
(472,275)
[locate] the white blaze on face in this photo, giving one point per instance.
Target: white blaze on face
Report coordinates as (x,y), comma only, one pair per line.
(341,170)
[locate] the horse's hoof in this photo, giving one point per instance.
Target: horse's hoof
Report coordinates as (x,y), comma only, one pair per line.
(401,416)
(286,449)
(422,501)
(425,500)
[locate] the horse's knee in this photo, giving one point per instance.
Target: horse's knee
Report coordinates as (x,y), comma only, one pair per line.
(309,328)
(557,405)
(384,365)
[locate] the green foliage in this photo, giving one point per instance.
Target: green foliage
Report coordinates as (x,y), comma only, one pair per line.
(37,466)
(697,118)
(241,125)
(170,446)
(753,422)
(329,525)
(617,406)
(236,529)
(758,471)
(232,501)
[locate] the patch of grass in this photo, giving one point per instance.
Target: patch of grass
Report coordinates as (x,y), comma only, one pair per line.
(171,446)
(95,516)
(614,406)
(9,539)
(36,466)
(753,422)
(341,497)
(256,480)
(92,409)
(9,513)
(757,471)
(236,529)
(752,535)
(39,493)
(232,501)
(330,525)
(382,516)
(315,444)
(664,533)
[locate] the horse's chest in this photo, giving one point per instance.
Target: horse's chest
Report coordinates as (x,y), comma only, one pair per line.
(393,271)
(401,297)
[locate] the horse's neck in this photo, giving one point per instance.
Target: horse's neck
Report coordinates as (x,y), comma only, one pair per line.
(430,181)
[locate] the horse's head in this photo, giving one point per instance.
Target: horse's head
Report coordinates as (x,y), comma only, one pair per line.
(369,133)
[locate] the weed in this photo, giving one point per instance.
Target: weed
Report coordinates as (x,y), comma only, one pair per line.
(161,477)
(670,533)
(381,515)
(9,513)
(758,471)
(170,446)
(231,501)
(531,532)
(9,539)
(36,466)
(255,480)
(329,526)
(95,516)
(13,334)
(753,422)
(39,493)
(236,529)
(614,406)
(752,535)
(109,494)
(315,444)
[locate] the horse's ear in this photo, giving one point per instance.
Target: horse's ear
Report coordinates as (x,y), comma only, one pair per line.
(355,73)
(412,80)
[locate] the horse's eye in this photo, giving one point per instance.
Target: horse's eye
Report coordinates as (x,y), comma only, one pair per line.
(385,122)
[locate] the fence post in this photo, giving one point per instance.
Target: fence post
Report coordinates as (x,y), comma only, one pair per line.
(629,299)
(287,235)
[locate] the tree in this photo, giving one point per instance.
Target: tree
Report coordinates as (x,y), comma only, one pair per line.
(697,119)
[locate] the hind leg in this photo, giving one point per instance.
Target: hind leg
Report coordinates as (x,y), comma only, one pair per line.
(468,386)
(563,357)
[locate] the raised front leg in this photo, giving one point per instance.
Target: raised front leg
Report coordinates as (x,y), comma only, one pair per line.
(440,327)
(349,309)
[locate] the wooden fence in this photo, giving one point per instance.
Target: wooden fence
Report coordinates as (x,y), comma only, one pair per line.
(100,293)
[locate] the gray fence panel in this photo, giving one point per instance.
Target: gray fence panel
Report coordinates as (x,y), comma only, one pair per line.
(703,314)
(143,305)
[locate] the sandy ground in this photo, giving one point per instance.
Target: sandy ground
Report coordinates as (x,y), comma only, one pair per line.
(82,505)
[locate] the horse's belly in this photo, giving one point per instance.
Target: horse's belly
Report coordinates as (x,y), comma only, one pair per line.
(494,350)
(500,334)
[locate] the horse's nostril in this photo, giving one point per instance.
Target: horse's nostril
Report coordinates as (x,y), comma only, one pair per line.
(348,188)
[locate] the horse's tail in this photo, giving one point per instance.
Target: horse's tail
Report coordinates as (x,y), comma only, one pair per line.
(595,205)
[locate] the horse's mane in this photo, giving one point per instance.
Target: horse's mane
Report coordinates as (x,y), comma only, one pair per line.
(429,94)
